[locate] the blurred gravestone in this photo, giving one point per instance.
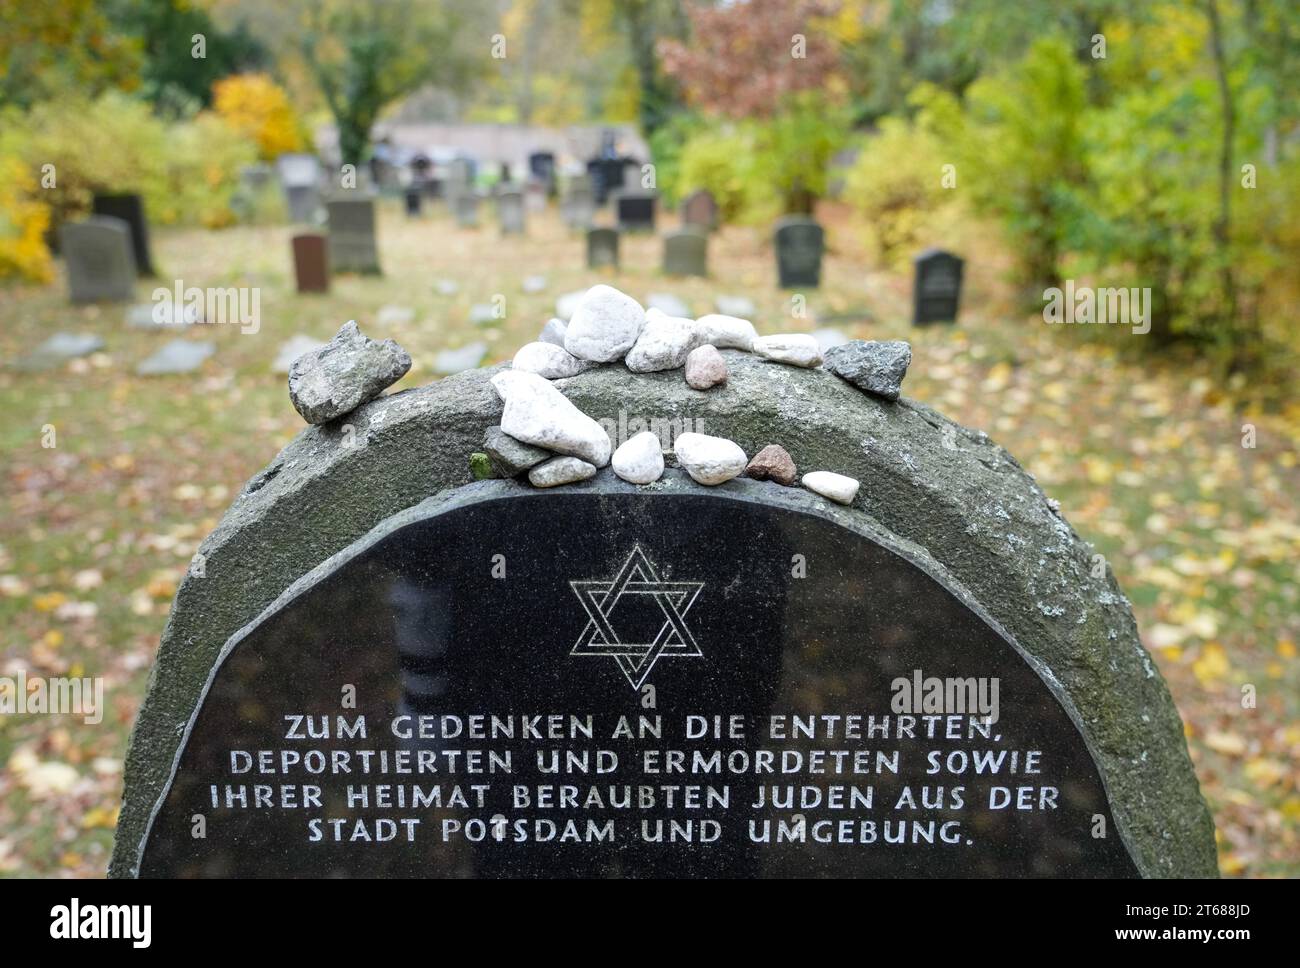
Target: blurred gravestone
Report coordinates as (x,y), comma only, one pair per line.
(799,245)
(578,206)
(352,245)
(686,253)
(510,212)
(130,209)
(300,179)
(535,195)
(311,262)
(636,211)
(541,165)
(700,210)
(414,201)
(602,248)
(465,205)
(99,260)
(936,291)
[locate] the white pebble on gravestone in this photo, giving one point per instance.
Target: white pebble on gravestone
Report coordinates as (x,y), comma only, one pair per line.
(837,487)
(640,459)
(549,361)
(605,325)
(726,332)
(796,349)
(663,344)
(560,470)
(553,332)
(709,460)
(539,414)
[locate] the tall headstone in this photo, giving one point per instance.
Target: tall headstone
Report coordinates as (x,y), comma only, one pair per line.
(98,259)
(654,689)
(510,212)
(700,210)
(352,246)
(799,246)
(311,267)
(635,211)
(602,248)
(686,253)
(130,209)
(300,179)
(936,289)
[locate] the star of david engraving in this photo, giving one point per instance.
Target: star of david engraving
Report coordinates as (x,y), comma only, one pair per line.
(636,577)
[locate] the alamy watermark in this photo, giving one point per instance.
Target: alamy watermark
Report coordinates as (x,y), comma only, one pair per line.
(971,696)
(227,306)
(82,697)
(1084,304)
(667,429)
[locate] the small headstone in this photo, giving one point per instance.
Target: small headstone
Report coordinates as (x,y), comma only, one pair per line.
(465,207)
(541,165)
(668,304)
(352,245)
(300,179)
(130,209)
(311,267)
(58,349)
(700,210)
(635,211)
(936,293)
(414,196)
(608,678)
(178,356)
(534,197)
(686,253)
(163,314)
(98,259)
(462,358)
(739,306)
(602,248)
(291,349)
(578,206)
(510,212)
(799,245)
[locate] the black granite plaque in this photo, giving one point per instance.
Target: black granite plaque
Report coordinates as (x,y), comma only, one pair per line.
(635,211)
(605,681)
(936,291)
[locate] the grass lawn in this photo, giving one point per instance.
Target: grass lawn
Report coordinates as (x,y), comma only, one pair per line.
(1145,456)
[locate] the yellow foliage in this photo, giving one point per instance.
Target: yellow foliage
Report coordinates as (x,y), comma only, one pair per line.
(23,221)
(258,108)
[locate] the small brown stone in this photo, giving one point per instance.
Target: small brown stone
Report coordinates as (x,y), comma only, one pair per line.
(705,367)
(773,463)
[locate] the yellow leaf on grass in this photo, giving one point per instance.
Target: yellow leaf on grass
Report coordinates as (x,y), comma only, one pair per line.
(1265,773)
(1286,648)
(1212,664)
(1229,744)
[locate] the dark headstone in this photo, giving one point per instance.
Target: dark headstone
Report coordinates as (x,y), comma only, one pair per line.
(352,245)
(606,177)
(414,196)
(98,259)
(636,211)
(936,291)
(700,210)
(311,263)
(799,246)
(130,209)
(686,253)
(810,666)
(602,248)
(541,165)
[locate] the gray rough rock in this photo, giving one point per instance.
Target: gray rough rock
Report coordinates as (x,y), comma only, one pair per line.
(705,368)
(639,459)
(726,332)
(537,413)
(773,463)
(553,332)
(511,457)
(708,459)
(796,349)
(949,498)
(828,484)
(560,470)
(346,372)
(876,366)
(664,344)
(605,325)
(178,356)
(460,359)
(549,361)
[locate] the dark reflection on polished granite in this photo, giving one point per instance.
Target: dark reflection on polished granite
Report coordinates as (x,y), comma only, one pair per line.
(419,625)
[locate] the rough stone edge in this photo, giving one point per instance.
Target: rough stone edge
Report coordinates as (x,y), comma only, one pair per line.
(1155,799)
